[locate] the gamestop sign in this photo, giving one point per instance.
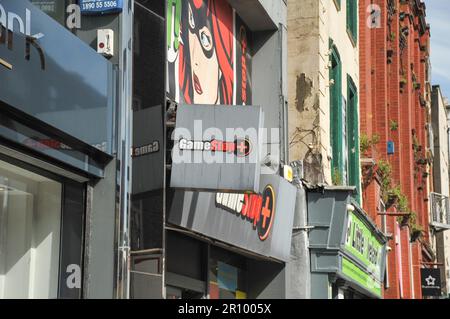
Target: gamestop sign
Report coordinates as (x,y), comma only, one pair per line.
(217,148)
(259,222)
(257,209)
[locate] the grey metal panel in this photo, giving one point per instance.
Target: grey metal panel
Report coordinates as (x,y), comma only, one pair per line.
(144,286)
(327,211)
(148,154)
(64,83)
(266,280)
(320,208)
(266,91)
(259,15)
(338,226)
(185,282)
(324,261)
(224,170)
(320,285)
(100,231)
(198,212)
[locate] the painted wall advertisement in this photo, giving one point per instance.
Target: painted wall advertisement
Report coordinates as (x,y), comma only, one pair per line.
(208,53)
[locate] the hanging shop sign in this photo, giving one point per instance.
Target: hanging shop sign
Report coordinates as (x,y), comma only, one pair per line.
(259,222)
(217,148)
(431,282)
(101,6)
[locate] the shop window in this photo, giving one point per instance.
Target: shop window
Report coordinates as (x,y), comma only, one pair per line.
(30,223)
(42,218)
(227,275)
(352,20)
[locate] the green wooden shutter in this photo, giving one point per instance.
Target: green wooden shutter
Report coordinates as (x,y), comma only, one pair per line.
(336,115)
(354,172)
(352,19)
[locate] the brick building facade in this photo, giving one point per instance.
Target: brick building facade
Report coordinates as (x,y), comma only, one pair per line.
(394,117)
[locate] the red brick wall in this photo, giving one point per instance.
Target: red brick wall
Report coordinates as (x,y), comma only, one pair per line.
(382,100)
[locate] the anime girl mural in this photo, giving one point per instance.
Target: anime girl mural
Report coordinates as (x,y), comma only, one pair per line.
(203,63)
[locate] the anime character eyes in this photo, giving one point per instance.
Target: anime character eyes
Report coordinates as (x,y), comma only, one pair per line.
(205,39)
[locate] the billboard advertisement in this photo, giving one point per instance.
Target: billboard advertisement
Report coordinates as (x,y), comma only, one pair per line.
(208,55)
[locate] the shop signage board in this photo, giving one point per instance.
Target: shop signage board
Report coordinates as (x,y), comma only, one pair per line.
(54,76)
(363,244)
(217,148)
(431,282)
(260,222)
(349,269)
(344,232)
(367,249)
(101,6)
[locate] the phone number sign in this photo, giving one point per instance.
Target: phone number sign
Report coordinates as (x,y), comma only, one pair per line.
(101,6)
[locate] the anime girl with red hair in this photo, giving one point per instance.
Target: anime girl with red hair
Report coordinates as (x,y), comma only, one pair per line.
(206,52)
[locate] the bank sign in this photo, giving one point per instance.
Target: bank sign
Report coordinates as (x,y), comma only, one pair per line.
(217,148)
(259,222)
(362,244)
(50,74)
(101,6)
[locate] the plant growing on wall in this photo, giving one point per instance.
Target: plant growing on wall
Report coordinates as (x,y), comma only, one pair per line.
(395,196)
(392,36)
(414,228)
(403,82)
(393,125)
(366,143)
(391,195)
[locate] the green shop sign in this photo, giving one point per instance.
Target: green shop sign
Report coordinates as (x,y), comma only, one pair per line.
(362,244)
(366,280)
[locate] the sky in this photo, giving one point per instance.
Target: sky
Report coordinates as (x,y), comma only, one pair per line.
(438,16)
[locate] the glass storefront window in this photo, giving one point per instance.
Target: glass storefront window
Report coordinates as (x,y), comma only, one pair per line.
(30,223)
(228,275)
